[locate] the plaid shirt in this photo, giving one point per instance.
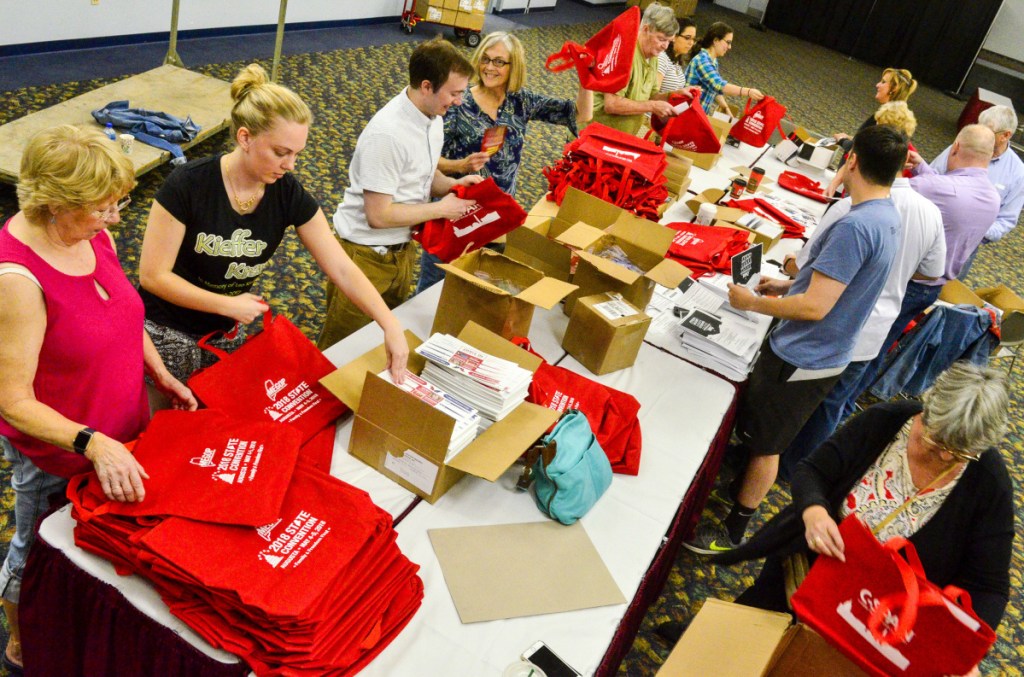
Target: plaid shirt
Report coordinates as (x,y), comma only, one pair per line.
(703,71)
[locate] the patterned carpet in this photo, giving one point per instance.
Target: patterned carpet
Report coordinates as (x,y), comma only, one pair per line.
(822,89)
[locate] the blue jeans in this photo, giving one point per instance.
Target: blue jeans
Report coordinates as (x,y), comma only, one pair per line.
(32,490)
(918,298)
(430,274)
(833,410)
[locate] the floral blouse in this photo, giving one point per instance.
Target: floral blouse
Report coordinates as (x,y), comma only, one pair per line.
(887,485)
(464,128)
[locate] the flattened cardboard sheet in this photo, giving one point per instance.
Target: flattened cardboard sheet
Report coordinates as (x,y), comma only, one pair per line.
(473,559)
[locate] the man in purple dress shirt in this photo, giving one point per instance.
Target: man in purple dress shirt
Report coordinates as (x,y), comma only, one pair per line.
(969,204)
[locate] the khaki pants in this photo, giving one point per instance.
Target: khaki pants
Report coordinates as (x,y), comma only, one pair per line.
(391,276)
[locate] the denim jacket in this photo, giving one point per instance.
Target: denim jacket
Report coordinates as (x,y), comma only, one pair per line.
(949,334)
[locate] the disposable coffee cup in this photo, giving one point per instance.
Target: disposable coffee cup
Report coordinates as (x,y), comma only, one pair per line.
(706,214)
(127,143)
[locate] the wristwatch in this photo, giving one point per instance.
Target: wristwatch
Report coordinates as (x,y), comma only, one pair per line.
(82,440)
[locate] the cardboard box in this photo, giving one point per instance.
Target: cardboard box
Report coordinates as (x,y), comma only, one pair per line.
(766,233)
(407,440)
(469,20)
(958,293)
(466,297)
(677,174)
(450,4)
(706,160)
(536,245)
(732,640)
(605,332)
(644,242)
(1011,325)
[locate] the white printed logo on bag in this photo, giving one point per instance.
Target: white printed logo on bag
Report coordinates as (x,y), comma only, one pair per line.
(238,464)
(292,546)
(754,123)
(867,601)
(683,238)
(611,59)
(478,221)
(621,153)
(293,404)
(266,532)
(561,401)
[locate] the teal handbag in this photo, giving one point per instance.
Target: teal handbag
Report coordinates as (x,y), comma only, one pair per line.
(571,471)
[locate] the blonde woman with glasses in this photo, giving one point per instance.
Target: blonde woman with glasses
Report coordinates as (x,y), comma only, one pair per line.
(73,351)
(498,99)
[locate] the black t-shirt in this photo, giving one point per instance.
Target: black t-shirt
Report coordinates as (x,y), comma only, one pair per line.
(223,251)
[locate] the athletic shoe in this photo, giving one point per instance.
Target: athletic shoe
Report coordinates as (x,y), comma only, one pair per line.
(711,538)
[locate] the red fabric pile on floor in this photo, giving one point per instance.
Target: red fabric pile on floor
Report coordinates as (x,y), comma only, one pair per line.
(706,249)
(619,168)
(320,588)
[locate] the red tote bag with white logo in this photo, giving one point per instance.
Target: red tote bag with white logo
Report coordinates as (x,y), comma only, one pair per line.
(879,610)
(495,214)
(691,130)
(758,122)
(208,466)
(605,63)
(273,377)
(619,148)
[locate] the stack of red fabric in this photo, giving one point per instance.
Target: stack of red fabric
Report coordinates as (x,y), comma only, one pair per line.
(619,168)
(319,588)
(706,249)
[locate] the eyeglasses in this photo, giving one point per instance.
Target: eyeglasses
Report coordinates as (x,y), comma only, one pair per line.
(497,63)
(728,42)
(111,212)
(688,38)
(955,453)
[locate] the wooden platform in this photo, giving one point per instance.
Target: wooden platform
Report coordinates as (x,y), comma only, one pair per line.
(171,89)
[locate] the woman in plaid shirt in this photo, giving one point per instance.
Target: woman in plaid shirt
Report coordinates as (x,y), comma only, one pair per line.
(703,69)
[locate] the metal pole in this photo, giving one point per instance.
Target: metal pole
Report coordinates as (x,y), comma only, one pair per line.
(278,42)
(172,49)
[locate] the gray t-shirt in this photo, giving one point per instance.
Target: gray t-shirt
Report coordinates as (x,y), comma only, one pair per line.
(857,251)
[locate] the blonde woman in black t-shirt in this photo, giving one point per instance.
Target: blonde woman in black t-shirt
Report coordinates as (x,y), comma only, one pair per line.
(216,222)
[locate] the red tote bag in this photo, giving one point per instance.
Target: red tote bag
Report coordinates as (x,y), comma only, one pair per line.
(208,466)
(802,185)
(605,63)
(273,377)
(619,148)
(879,610)
(495,214)
(691,130)
(758,122)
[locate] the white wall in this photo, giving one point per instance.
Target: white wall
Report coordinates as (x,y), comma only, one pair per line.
(30,21)
(1006,31)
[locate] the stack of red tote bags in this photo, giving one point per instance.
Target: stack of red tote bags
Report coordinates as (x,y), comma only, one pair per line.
(619,168)
(706,249)
(259,552)
(767,208)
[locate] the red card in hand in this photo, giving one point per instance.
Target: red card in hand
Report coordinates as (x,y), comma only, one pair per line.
(494,139)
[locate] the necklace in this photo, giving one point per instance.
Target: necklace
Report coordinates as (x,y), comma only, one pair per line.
(243,205)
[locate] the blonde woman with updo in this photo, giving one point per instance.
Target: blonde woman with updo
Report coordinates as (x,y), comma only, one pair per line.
(896,84)
(216,222)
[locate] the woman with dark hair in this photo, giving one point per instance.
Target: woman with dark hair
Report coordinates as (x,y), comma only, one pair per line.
(672,62)
(703,69)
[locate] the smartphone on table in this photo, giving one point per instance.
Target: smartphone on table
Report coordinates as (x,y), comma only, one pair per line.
(541,655)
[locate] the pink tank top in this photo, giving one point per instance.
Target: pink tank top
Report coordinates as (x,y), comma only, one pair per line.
(90,364)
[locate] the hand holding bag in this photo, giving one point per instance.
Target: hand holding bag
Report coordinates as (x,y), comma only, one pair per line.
(570,468)
(495,214)
(605,62)
(691,130)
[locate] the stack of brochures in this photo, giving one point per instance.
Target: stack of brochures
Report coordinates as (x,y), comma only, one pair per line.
(489,384)
(467,420)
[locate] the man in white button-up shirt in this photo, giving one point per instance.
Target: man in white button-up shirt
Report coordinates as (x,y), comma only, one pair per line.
(392,179)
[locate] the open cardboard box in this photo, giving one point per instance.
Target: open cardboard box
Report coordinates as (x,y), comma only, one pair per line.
(644,242)
(466,297)
(406,439)
(732,640)
(706,160)
(534,243)
(677,174)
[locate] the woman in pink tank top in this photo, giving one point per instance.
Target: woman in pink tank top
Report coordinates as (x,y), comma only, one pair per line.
(73,351)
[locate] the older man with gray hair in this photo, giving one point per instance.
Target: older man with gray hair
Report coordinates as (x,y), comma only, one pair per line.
(1005,171)
(625,110)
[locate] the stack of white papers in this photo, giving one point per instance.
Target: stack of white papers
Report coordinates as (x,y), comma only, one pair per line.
(493,386)
(696,323)
(467,419)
